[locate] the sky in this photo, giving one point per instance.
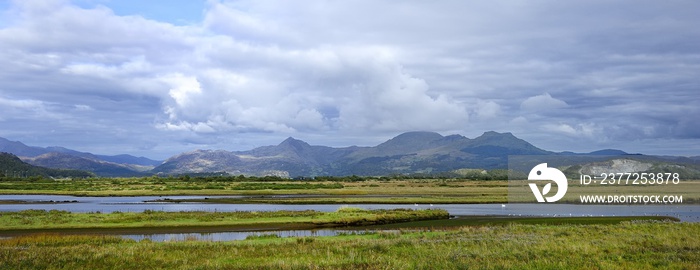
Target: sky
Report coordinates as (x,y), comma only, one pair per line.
(157,78)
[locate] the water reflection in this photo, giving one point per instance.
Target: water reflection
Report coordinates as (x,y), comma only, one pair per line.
(231,236)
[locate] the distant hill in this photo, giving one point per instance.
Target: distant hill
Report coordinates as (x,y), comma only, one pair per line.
(12,166)
(64,158)
(102,168)
(23,150)
(604,152)
(20,149)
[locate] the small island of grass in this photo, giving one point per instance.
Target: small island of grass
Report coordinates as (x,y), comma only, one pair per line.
(54,220)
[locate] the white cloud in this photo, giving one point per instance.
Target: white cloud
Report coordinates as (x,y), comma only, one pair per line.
(23,104)
(379,97)
(183,88)
(83,107)
(187,126)
(582,130)
(130,67)
(544,102)
(27,109)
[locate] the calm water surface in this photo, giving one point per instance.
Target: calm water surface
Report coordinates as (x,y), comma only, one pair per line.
(138,204)
(232,236)
(687,213)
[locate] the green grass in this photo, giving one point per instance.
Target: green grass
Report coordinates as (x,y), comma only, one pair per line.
(262,236)
(347,199)
(384,190)
(507,220)
(392,191)
(55,220)
(628,245)
(282,186)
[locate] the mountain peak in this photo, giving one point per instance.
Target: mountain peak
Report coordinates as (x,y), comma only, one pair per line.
(289,140)
(492,137)
(497,134)
(505,140)
(294,144)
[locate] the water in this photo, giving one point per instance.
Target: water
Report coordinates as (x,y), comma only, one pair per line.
(139,204)
(232,236)
(686,213)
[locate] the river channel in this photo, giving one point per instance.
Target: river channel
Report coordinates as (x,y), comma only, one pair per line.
(686,213)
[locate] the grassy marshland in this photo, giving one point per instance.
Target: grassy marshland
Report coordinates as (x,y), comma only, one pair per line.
(629,245)
(506,220)
(28,220)
(406,191)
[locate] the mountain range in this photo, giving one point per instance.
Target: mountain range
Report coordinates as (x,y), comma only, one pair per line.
(407,153)
(411,152)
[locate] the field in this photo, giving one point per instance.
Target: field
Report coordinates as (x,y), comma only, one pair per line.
(629,245)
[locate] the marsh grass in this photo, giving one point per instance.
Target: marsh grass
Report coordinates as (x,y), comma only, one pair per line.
(392,191)
(262,236)
(506,221)
(282,186)
(55,219)
(359,199)
(629,245)
(400,191)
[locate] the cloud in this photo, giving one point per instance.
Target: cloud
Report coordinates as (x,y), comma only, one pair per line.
(583,130)
(27,109)
(380,95)
(487,109)
(83,107)
(258,71)
(544,102)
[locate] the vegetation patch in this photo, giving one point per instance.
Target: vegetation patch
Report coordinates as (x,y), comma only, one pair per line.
(41,220)
(627,245)
(280,186)
(509,220)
